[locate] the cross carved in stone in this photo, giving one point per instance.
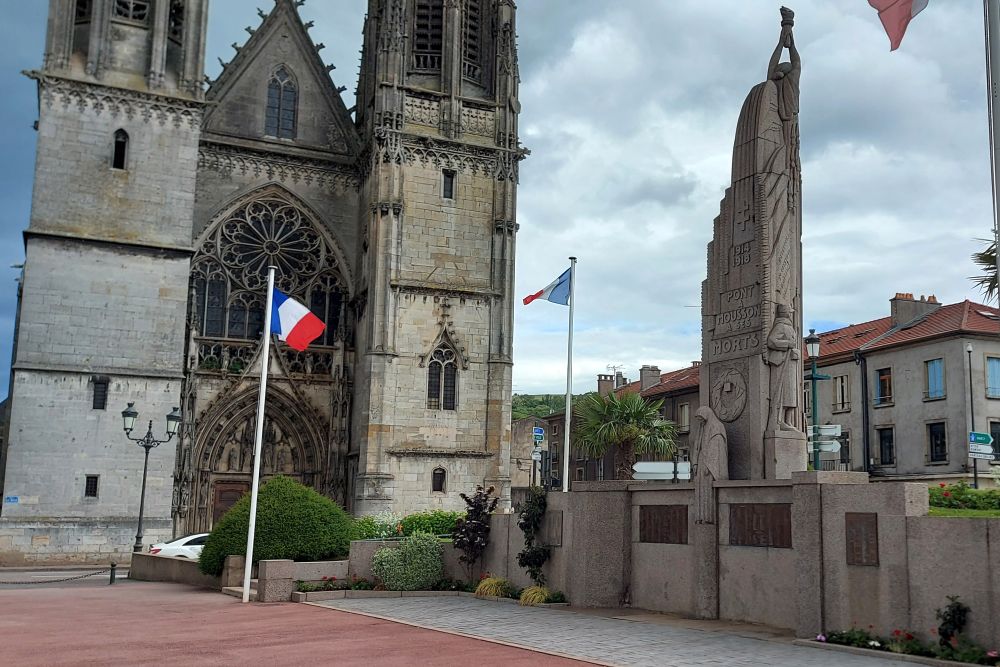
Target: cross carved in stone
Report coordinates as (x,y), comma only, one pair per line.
(744,215)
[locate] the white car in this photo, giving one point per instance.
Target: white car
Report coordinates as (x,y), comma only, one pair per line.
(182,547)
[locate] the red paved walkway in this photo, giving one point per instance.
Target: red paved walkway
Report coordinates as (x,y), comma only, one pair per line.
(161,624)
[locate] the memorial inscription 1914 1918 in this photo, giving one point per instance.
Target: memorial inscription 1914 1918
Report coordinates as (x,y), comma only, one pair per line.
(751,301)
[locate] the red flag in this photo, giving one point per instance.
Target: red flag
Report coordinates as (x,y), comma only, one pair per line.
(896,16)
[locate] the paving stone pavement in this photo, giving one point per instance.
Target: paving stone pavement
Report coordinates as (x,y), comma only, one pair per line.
(609,640)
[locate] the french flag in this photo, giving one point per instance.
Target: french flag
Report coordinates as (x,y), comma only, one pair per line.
(293,322)
(556,292)
(896,16)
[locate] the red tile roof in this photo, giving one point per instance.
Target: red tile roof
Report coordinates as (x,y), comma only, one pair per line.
(685,378)
(845,341)
(966,317)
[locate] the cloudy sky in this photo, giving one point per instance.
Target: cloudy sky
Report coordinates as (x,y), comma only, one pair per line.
(629,109)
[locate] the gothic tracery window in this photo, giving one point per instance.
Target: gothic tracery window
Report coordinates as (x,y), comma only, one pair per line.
(83,10)
(132,10)
(428,19)
(229,274)
(282,105)
(176,21)
(472,33)
(442,379)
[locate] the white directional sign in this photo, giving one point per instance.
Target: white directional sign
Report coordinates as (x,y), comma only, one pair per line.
(826,430)
(981,449)
(831,446)
(984,457)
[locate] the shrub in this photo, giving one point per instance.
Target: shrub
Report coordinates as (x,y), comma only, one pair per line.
(472,533)
(530,515)
(557,597)
(494,587)
(436,522)
(533,595)
(293,522)
(963,496)
(379,526)
(416,565)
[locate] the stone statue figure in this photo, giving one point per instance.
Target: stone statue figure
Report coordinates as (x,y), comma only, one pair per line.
(232,462)
(786,77)
(711,461)
(781,357)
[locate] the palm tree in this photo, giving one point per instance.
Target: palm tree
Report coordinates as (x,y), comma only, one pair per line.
(986,260)
(628,423)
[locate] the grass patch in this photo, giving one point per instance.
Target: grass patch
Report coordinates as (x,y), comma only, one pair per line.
(952,512)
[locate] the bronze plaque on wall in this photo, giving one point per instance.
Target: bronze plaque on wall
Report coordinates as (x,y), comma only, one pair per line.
(862,538)
(761,525)
(663,524)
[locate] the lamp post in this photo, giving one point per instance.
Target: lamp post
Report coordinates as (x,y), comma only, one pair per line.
(147,442)
(972,417)
(812,349)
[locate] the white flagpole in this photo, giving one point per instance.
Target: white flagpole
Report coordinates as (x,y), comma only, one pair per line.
(265,360)
(991,21)
(568,422)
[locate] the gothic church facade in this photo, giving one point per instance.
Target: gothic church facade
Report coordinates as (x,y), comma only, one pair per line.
(160,201)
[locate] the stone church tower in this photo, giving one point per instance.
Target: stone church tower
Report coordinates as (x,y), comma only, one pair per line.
(158,204)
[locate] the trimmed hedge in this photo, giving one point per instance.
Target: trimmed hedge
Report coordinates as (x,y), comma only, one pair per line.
(293,522)
(962,496)
(416,565)
(437,522)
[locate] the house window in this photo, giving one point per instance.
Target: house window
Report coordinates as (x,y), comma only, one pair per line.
(993,377)
(807,397)
(100,393)
(886,446)
(90,487)
(684,417)
(841,393)
(937,443)
(132,10)
(555,429)
(600,470)
(845,447)
(934,379)
(428,20)
(120,158)
(448,188)
(176,21)
(442,380)
(472,33)
(580,474)
(883,386)
(995,432)
(282,105)
(437,480)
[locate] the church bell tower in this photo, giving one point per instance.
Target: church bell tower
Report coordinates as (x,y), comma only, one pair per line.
(105,281)
(438,111)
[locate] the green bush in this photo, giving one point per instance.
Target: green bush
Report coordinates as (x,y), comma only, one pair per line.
(437,522)
(293,522)
(416,565)
(962,496)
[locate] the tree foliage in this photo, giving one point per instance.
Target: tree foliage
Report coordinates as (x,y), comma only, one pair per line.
(629,424)
(539,405)
(986,260)
(293,522)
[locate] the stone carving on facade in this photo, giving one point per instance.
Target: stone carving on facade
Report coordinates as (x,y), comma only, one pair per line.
(118,102)
(282,168)
(729,394)
(478,121)
(711,462)
(782,357)
(420,111)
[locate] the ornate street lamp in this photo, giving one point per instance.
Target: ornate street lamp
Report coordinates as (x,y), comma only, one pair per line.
(812,349)
(147,442)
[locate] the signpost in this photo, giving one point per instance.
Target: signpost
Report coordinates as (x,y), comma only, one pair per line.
(981,447)
(821,436)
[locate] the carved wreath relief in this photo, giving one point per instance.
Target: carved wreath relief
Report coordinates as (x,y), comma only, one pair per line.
(729,394)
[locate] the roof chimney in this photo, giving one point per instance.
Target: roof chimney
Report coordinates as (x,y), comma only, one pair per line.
(605,384)
(649,376)
(905,308)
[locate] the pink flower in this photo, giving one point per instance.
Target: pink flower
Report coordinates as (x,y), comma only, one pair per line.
(942,485)
(821,638)
(992,654)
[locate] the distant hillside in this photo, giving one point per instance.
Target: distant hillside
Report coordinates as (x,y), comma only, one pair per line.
(539,405)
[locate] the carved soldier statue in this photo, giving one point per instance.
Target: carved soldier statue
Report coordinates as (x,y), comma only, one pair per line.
(782,356)
(711,461)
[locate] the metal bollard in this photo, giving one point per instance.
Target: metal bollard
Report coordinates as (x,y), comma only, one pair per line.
(114,566)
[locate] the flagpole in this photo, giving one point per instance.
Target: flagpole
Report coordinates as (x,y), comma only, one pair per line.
(991,22)
(265,361)
(568,425)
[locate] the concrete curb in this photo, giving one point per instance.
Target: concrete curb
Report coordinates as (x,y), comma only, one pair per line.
(500,642)
(884,655)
